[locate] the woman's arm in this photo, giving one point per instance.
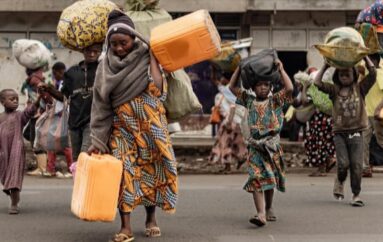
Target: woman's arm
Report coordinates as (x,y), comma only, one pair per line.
(233,84)
(155,71)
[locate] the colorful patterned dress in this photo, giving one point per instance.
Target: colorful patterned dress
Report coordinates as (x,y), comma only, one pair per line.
(141,140)
(266,170)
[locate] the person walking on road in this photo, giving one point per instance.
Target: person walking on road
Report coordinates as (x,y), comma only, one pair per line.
(58,71)
(12,151)
(128,120)
(265,163)
(77,86)
(229,146)
(350,120)
(319,138)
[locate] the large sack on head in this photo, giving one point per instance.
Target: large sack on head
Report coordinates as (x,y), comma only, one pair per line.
(260,66)
(229,58)
(31,54)
(141,5)
(343,48)
(181,100)
(145,21)
(84,23)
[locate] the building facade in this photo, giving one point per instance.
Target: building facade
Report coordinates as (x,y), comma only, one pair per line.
(290,26)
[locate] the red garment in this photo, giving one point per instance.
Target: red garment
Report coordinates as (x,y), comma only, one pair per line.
(51,167)
(34,80)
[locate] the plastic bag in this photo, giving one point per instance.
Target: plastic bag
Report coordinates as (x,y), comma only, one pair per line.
(181,100)
(31,54)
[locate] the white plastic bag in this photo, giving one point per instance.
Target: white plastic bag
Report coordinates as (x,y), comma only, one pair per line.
(31,54)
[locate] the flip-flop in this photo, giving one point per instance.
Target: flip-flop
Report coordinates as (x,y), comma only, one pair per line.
(338,196)
(257,221)
(357,203)
(270,216)
(13,210)
(153,232)
(338,190)
(121,237)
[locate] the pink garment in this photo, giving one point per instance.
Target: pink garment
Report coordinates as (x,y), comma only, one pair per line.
(12,152)
(52,159)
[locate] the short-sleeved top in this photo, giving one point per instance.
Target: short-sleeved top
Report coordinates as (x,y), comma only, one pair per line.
(78,88)
(265,117)
(349,113)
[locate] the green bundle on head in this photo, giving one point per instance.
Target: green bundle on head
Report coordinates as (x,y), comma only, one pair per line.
(141,5)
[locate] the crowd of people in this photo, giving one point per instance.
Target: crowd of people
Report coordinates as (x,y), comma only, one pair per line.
(115,107)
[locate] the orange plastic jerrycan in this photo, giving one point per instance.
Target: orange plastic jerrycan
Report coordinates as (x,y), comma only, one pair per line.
(96,187)
(185,41)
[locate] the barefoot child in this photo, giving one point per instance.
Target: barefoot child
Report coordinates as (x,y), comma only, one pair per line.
(12,153)
(265,163)
(350,119)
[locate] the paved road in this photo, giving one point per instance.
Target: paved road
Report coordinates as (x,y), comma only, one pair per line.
(210,208)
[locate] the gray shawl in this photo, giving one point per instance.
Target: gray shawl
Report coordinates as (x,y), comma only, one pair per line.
(117,82)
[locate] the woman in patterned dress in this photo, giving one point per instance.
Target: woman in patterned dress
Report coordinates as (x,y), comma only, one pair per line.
(128,120)
(265,163)
(319,138)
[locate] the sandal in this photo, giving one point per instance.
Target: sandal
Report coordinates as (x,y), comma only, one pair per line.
(13,210)
(270,216)
(357,202)
(153,232)
(122,238)
(338,190)
(257,221)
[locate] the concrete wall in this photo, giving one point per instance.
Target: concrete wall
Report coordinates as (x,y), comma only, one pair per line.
(319,5)
(212,5)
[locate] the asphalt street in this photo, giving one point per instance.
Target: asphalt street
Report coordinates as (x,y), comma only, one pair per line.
(210,208)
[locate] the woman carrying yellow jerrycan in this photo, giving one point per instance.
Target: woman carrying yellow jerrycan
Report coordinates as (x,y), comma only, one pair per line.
(128,120)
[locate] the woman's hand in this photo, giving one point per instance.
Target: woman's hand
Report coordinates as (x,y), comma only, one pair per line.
(93,150)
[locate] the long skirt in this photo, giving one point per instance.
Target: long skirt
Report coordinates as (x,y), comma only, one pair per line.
(319,140)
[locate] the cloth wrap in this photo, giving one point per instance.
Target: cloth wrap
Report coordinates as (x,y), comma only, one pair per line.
(117,82)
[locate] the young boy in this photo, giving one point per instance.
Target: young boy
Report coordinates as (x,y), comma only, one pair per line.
(12,153)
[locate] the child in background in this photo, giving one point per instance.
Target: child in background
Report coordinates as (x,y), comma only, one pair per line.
(350,120)
(12,153)
(58,70)
(265,163)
